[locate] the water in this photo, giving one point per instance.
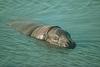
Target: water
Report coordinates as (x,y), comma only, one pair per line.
(79,17)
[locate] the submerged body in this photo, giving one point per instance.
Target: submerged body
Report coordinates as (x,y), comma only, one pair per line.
(53,34)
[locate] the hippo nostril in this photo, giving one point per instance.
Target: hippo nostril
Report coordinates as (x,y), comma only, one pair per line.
(71,45)
(68,43)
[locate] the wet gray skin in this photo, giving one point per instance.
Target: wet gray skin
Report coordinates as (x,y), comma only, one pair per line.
(60,38)
(55,36)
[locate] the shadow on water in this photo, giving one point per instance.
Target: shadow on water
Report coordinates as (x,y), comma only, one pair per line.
(50,47)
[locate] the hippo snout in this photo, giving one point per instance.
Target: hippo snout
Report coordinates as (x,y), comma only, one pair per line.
(71,45)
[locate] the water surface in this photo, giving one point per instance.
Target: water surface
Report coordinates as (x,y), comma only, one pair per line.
(81,18)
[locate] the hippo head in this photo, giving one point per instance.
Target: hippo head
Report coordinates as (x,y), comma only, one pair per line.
(61,38)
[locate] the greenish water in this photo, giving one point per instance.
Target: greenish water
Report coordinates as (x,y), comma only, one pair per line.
(79,17)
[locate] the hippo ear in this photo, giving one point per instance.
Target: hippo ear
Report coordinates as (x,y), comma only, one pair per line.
(67,34)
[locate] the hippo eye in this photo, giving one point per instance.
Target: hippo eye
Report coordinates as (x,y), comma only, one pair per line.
(56,38)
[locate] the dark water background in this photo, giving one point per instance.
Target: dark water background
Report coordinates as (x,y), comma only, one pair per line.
(79,17)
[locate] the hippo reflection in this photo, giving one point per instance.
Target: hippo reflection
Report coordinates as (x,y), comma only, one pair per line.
(53,34)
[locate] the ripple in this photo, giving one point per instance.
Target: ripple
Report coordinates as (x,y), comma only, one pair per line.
(80,18)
